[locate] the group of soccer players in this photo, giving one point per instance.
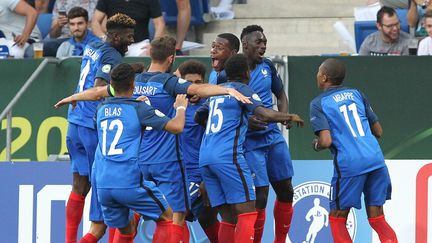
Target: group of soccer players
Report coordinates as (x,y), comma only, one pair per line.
(161,156)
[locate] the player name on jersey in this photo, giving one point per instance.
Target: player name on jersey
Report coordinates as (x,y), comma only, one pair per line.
(113,111)
(92,53)
(145,90)
(343,96)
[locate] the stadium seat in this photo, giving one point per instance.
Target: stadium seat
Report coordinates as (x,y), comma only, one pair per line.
(364,28)
(44,23)
(169,10)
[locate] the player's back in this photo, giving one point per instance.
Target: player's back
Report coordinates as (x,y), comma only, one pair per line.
(159,146)
(119,132)
(355,148)
(226,128)
(91,63)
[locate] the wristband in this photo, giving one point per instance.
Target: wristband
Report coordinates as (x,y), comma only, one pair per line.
(180,108)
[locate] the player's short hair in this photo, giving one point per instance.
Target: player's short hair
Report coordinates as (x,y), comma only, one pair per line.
(236,67)
(249,29)
(385,10)
(335,70)
(119,22)
(233,41)
(122,77)
(76,12)
(162,48)
(428,14)
(192,67)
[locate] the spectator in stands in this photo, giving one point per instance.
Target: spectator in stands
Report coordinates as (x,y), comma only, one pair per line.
(425,46)
(140,11)
(183,21)
(388,40)
(42,6)
(416,12)
(59,27)
(395,3)
(78,23)
(17,24)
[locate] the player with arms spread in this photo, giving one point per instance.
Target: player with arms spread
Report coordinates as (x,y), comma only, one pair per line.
(223,167)
(120,122)
(345,123)
(81,139)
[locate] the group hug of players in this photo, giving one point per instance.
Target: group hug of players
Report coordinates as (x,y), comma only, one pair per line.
(171,148)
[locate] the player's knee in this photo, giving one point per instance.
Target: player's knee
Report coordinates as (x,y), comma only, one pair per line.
(81,185)
(261,197)
(98,229)
(284,190)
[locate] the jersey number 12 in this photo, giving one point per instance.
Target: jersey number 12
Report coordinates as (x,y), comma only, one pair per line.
(112,149)
(353,109)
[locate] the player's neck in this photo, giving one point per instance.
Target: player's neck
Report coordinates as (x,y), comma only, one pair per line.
(128,93)
(157,67)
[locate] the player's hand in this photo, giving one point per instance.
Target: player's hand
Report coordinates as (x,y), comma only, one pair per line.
(234,93)
(138,67)
(297,119)
(66,101)
(256,124)
(142,98)
(181,100)
(204,195)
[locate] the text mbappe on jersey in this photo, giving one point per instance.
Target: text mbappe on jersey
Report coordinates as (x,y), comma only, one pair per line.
(343,96)
(113,111)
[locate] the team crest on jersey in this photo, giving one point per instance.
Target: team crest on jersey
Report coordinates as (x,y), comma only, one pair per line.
(181,81)
(159,113)
(310,221)
(106,68)
(264,72)
(256,97)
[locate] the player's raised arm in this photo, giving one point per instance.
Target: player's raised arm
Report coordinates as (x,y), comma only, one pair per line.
(176,124)
(269,115)
(207,90)
(95,93)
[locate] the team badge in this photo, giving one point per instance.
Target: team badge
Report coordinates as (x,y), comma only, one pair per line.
(264,72)
(106,68)
(256,97)
(181,81)
(310,221)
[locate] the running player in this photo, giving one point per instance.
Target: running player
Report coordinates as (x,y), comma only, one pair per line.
(223,47)
(223,166)
(345,123)
(266,151)
(190,141)
(81,140)
(120,121)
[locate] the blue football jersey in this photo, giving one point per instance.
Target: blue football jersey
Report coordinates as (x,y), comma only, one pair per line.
(97,61)
(161,90)
(217,78)
(190,140)
(120,123)
(226,125)
(265,81)
(348,115)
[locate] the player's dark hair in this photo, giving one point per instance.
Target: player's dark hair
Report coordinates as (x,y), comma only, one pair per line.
(335,70)
(192,67)
(233,41)
(76,12)
(236,68)
(385,10)
(162,48)
(249,29)
(122,77)
(428,14)
(120,22)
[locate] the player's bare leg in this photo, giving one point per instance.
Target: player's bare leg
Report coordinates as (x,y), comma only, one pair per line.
(126,234)
(228,223)
(75,206)
(209,222)
(338,220)
(260,205)
(164,227)
(379,224)
(283,210)
(246,217)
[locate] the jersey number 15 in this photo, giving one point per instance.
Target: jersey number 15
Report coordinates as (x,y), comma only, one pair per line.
(215,111)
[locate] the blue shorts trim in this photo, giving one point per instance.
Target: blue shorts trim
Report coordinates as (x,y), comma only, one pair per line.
(228,183)
(81,143)
(197,203)
(170,178)
(346,192)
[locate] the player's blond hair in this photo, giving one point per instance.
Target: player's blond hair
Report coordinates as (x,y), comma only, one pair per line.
(120,21)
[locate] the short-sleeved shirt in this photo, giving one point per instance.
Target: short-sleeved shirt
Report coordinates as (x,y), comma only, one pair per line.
(11,22)
(346,113)
(139,10)
(71,47)
(217,77)
(120,122)
(161,89)
(97,62)
(226,125)
(425,47)
(373,45)
(190,140)
(265,81)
